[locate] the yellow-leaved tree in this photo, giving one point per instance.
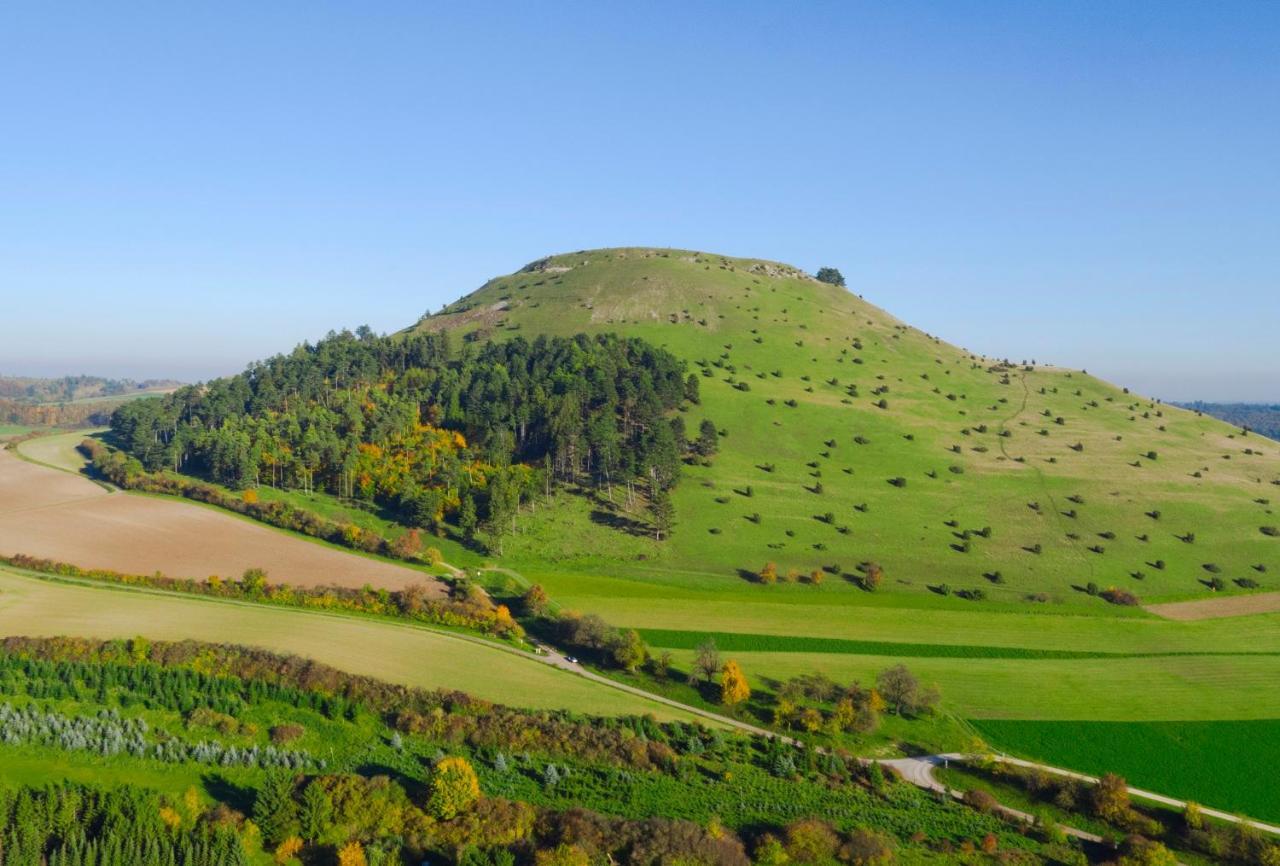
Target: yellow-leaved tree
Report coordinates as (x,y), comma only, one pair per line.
(733,685)
(351,854)
(454,788)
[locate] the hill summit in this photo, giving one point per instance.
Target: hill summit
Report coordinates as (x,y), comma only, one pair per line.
(849,437)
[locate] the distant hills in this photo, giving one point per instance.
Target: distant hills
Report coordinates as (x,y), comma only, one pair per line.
(69,400)
(1262,418)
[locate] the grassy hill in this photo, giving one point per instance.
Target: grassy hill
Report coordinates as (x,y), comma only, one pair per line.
(851,436)
(1079,481)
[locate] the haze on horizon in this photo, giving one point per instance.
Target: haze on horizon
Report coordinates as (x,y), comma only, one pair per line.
(1085,184)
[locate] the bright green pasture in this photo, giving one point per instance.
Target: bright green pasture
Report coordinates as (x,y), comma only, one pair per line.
(1115,484)
(1223,764)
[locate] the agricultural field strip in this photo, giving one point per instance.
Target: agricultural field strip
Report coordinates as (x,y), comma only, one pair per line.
(749,642)
(1217,608)
(410,654)
(1043,631)
(1123,689)
(139,534)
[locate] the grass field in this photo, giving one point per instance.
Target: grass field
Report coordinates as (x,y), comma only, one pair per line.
(58,450)
(396,653)
(1224,764)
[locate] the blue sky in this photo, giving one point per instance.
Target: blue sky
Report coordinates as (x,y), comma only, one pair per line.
(186,187)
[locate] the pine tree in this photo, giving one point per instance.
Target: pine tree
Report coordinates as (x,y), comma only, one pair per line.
(274,811)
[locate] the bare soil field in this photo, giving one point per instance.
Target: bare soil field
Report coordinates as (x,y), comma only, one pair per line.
(1216,608)
(55,515)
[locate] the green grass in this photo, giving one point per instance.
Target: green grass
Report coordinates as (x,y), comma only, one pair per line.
(637,291)
(740,642)
(59,450)
(14,429)
(1223,764)
(407,654)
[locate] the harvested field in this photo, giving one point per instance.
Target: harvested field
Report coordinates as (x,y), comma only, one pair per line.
(55,515)
(1217,608)
(395,652)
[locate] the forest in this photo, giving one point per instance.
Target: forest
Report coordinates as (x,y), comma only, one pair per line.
(432,430)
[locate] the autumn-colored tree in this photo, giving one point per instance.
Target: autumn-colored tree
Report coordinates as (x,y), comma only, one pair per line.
(351,854)
(534,601)
(408,545)
(733,685)
(867,848)
(287,850)
(170,817)
(1111,798)
(630,651)
(250,496)
(811,719)
(811,840)
(769,574)
(454,788)
(562,855)
(412,599)
(815,576)
(191,804)
(1144,852)
(433,556)
(253,581)
(1193,817)
(872,576)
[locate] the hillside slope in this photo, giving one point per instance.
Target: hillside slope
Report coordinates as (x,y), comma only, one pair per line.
(850,436)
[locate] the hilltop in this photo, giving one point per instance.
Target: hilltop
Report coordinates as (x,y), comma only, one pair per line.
(850,436)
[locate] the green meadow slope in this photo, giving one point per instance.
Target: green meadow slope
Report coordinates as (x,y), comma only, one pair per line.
(1079,481)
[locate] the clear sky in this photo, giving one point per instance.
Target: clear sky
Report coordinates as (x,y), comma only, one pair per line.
(185,187)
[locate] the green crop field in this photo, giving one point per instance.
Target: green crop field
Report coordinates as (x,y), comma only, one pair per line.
(1219,763)
(397,653)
